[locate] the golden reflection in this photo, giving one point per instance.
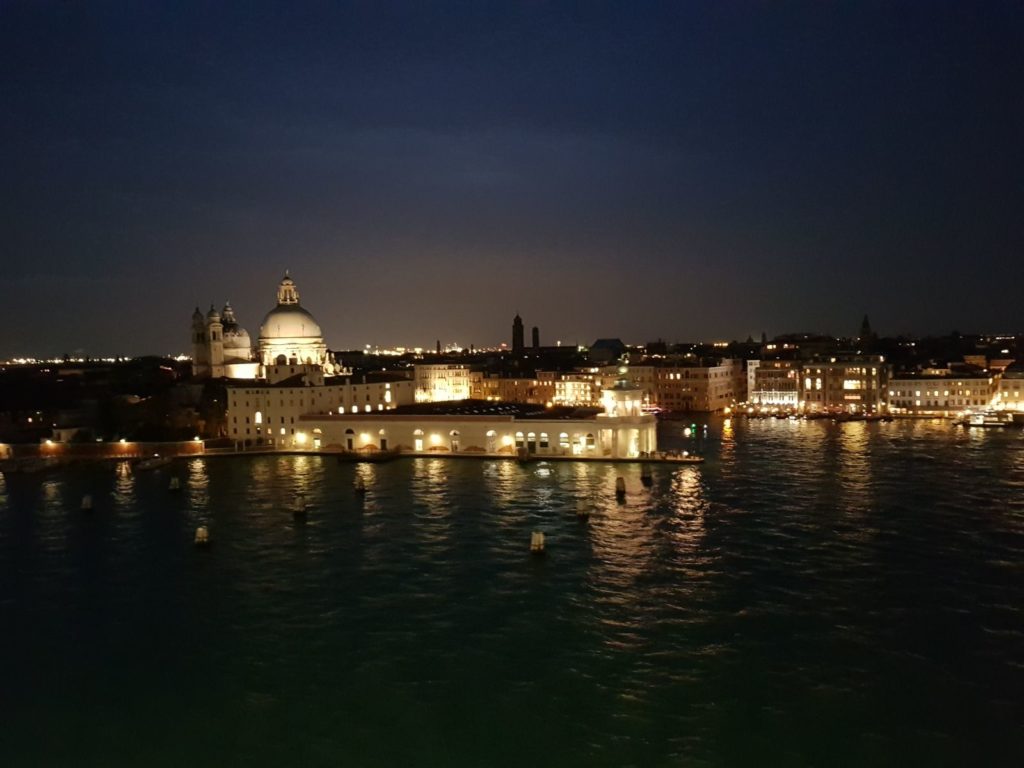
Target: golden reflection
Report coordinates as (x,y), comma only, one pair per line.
(854,472)
(727,442)
(507,481)
(197,483)
(304,475)
(690,505)
(124,486)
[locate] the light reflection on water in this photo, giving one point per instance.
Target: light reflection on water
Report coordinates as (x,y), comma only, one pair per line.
(812,591)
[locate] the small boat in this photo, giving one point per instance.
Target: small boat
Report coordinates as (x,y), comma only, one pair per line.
(153,462)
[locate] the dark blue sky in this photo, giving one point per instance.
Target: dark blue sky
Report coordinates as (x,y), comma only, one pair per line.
(682,170)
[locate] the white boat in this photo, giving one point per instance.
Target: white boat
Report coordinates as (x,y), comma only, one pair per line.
(988,420)
(154,462)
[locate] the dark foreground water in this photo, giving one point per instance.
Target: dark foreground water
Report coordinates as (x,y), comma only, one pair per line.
(814,595)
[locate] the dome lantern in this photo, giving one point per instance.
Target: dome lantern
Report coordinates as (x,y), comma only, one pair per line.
(287,293)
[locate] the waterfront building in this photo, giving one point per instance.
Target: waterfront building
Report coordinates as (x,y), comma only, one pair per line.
(858,384)
(776,384)
(940,393)
(495,387)
(1009,391)
(269,411)
(855,384)
(619,430)
(703,387)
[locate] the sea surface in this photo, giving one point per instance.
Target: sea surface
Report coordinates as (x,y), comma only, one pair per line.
(814,595)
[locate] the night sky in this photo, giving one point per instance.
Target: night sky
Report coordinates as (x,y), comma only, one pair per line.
(689,171)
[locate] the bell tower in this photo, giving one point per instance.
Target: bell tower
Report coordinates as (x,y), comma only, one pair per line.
(200,351)
(215,334)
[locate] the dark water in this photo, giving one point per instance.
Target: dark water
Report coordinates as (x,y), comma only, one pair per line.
(814,595)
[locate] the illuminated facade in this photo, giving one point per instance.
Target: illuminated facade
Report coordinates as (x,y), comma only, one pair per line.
(484,386)
(440,383)
(776,384)
(703,388)
(857,385)
(853,385)
(939,395)
(1009,391)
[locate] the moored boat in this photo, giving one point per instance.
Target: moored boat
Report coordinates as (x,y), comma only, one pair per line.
(153,462)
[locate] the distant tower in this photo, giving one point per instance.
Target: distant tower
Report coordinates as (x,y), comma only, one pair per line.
(536,337)
(517,334)
(439,346)
(865,329)
(215,342)
(200,352)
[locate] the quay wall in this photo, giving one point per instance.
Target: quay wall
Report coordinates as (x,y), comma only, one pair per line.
(115,450)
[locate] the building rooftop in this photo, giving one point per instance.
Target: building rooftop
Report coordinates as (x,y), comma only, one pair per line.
(475,408)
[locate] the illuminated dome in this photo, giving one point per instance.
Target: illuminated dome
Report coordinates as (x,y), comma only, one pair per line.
(289,322)
(289,335)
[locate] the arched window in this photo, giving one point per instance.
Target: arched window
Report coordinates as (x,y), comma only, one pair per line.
(519,440)
(417,440)
(543,439)
(563,440)
(259,418)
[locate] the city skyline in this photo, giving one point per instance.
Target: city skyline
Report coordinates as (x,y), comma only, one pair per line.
(678,172)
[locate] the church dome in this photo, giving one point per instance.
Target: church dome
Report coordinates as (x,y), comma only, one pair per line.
(289,321)
(237,339)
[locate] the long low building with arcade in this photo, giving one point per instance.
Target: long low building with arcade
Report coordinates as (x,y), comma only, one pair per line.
(470,427)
